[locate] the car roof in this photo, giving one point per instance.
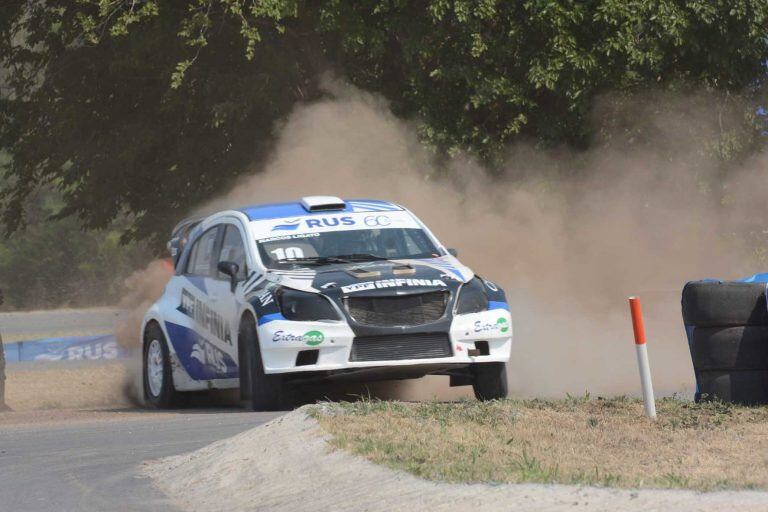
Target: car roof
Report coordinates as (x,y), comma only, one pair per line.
(297,209)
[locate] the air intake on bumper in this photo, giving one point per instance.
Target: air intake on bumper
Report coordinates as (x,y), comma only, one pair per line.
(400,346)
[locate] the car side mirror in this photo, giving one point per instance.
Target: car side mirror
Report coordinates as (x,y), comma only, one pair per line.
(453,252)
(229,268)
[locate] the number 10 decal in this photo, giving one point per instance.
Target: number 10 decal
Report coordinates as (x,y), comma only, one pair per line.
(282,253)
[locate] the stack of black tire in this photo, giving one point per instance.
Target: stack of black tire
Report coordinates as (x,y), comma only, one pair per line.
(727,326)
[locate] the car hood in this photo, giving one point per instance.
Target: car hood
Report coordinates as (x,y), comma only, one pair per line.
(388,277)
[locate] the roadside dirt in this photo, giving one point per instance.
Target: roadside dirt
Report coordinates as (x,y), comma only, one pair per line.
(28,419)
(66,386)
(287,465)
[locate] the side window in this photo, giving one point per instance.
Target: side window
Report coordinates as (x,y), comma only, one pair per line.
(233,249)
(201,255)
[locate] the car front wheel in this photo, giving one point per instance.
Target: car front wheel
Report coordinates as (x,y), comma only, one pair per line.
(158,381)
(267,392)
(489,380)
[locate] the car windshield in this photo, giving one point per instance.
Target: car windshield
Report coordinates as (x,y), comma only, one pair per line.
(345,247)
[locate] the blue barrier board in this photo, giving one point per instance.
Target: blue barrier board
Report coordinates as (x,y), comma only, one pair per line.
(82,348)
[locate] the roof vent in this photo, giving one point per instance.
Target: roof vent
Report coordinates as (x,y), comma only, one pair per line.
(322,203)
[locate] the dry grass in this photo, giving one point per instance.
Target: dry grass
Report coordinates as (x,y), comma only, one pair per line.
(603,442)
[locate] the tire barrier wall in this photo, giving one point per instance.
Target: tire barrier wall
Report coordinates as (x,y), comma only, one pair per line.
(727,328)
(83,348)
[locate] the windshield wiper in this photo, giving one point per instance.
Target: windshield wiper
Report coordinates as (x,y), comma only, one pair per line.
(362,256)
(317,260)
(328,260)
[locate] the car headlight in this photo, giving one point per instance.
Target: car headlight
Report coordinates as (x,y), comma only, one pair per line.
(303,306)
(472,298)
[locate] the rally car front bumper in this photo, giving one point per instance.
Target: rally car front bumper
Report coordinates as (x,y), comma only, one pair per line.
(294,347)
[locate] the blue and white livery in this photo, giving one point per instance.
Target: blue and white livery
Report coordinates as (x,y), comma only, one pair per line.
(270,297)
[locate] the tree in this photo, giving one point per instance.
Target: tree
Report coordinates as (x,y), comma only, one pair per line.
(55,263)
(100,123)
(148,108)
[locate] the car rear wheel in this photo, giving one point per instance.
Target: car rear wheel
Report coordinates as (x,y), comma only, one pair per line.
(489,380)
(158,380)
(267,392)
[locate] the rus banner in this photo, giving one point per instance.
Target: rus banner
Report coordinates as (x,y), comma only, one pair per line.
(91,348)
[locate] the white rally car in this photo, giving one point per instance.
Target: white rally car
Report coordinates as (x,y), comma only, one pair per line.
(269,296)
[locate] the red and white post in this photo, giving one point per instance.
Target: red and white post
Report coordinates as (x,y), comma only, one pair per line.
(642,357)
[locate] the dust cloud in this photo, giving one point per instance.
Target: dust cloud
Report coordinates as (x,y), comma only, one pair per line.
(570,235)
(143,288)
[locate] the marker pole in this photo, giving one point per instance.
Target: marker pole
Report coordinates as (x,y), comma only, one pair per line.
(642,357)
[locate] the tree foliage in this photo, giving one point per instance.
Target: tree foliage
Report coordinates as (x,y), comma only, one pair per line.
(57,263)
(149,107)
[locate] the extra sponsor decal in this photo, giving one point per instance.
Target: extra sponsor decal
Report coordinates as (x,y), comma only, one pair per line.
(501,325)
(206,317)
(391,283)
(311,338)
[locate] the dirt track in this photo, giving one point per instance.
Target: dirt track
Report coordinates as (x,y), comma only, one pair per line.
(286,465)
(67,385)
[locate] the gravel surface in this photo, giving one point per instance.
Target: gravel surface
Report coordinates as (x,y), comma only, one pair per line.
(286,465)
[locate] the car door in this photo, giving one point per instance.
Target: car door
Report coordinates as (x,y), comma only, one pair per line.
(229,301)
(203,347)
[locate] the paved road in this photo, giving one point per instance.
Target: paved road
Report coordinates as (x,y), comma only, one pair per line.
(94,465)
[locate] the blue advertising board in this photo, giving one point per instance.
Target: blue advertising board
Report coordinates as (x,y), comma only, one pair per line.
(77,348)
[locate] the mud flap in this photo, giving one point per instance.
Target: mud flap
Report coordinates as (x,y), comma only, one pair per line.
(460,380)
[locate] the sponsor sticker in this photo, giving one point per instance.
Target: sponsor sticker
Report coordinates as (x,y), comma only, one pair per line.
(207,354)
(288,237)
(288,225)
(266,297)
(205,316)
(310,223)
(392,283)
(501,325)
(311,338)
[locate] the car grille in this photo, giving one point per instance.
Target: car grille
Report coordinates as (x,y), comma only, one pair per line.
(400,346)
(402,310)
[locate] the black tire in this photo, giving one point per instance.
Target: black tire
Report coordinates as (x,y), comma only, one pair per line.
(489,380)
(267,392)
(168,396)
(723,304)
(746,387)
(730,348)
(244,364)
